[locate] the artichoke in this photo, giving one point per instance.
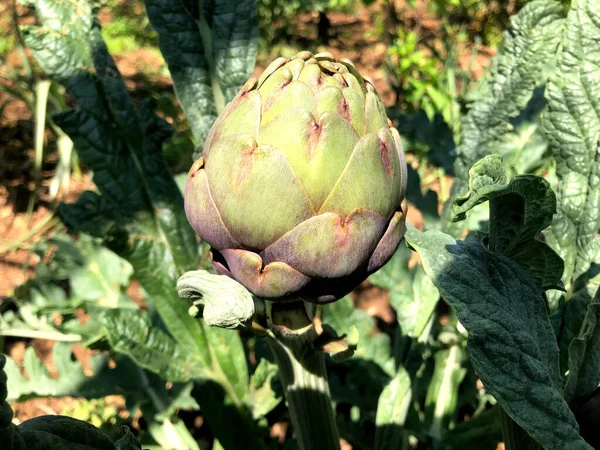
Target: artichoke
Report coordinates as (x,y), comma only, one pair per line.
(300,187)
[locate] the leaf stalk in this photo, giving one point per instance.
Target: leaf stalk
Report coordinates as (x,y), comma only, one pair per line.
(304,378)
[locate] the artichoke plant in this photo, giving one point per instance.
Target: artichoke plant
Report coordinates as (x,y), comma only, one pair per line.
(301,184)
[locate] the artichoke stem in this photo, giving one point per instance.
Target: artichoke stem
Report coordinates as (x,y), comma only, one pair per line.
(304,378)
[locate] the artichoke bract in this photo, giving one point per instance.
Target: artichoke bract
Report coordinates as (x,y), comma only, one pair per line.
(300,187)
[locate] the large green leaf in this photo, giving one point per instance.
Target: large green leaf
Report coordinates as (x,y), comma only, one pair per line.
(210,48)
(60,52)
(573,128)
(232,369)
(138,211)
(529,48)
(511,342)
(130,332)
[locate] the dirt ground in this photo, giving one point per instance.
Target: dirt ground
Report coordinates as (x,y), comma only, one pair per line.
(18,230)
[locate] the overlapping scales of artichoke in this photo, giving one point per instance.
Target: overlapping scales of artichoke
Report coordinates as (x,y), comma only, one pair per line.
(300,188)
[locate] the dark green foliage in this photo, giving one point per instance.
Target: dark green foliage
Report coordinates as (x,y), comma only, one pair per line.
(54,432)
(497,295)
(518,212)
(573,129)
(138,211)
(522,64)
(210,52)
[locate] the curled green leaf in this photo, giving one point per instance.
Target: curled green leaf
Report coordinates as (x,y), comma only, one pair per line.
(485,177)
(519,211)
(226,303)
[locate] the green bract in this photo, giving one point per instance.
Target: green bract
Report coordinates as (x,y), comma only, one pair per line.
(300,188)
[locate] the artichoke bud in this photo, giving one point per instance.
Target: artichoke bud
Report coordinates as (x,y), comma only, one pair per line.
(300,190)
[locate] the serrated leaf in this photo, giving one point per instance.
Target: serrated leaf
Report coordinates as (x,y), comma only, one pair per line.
(61,51)
(511,342)
(139,213)
(72,381)
(584,355)
(573,129)
(392,410)
(210,51)
(131,333)
(529,48)
(139,209)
